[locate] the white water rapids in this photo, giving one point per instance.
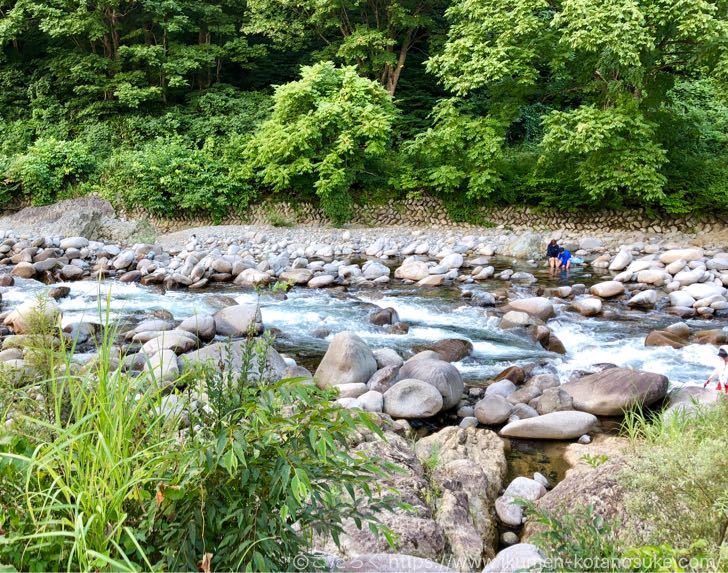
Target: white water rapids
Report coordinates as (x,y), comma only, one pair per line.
(433,314)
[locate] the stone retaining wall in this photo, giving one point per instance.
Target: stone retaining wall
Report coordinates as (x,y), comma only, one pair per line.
(428,211)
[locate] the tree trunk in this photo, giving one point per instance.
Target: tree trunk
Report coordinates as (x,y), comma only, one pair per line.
(392,73)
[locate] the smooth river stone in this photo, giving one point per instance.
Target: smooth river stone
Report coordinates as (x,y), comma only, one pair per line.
(554,426)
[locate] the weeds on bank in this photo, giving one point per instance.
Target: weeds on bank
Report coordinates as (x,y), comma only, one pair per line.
(676,491)
(240,476)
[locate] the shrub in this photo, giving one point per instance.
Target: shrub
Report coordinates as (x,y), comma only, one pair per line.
(49,169)
(169,176)
(79,473)
(265,468)
(456,159)
(327,133)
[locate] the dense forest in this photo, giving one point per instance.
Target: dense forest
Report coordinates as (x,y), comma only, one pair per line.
(207,106)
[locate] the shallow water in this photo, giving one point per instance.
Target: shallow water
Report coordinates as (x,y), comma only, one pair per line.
(433,314)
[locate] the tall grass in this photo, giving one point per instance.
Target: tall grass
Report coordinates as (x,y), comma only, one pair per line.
(680,465)
(87,468)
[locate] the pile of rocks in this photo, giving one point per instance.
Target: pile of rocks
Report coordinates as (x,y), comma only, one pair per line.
(691,281)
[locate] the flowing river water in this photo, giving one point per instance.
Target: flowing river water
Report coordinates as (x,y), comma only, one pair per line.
(432,313)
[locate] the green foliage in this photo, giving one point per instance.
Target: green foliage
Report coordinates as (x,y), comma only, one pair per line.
(693,503)
(601,75)
(48,170)
(265,467)
(458,156)
(327,133)
(168,172)
(613,152)
(78,475)
(583,541)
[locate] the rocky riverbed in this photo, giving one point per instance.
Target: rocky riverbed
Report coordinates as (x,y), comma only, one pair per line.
(462,339)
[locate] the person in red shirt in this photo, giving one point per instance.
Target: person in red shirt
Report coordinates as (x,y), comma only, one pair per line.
(720,373)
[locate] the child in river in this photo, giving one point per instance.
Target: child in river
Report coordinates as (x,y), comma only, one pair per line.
(564,258)
(552,253)
(720,373)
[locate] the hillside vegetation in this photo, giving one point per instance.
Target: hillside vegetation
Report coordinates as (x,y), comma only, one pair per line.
(211,106)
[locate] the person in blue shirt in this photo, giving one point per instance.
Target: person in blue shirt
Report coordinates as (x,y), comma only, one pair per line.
(564,259)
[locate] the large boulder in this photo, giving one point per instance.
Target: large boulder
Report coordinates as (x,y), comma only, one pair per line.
(72,218)
(554,426)
(440,374)
(31,314)
(467,467)
(528,245)
(176,340)
(415,528)
(704,290)
(238,320)
(347,360)
(614,390)
(688,399)
(410,398)
(537,306)
(252,278)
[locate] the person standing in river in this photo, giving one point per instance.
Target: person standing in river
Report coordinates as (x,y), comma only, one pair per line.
(552,253)
(720,373)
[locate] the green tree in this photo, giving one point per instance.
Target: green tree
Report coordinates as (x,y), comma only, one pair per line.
(376,36)
(329,132)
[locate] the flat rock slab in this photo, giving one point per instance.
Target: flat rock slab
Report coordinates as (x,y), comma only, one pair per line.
(554,426)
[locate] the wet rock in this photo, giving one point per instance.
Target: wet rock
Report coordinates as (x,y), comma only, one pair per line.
(252,278)
(384,316)
(59,292)
(665,338)
(347,360)
(612,391)
(398,328)
(516,319)
(513,373)
(321,281)
(451,349)
(501,388)
(412,398)
(644,299)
